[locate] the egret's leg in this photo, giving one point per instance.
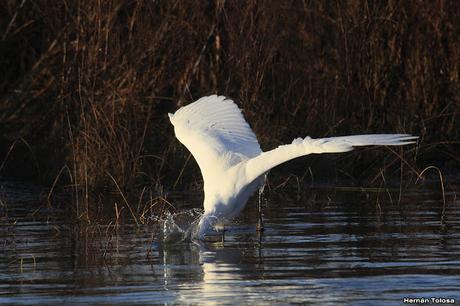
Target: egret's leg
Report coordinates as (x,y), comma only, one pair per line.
(260,225)
(261,258)
(223,233)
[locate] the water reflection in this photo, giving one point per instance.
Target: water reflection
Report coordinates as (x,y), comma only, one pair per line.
(335,247)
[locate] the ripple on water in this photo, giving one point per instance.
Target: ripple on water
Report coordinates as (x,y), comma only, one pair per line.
(334,252)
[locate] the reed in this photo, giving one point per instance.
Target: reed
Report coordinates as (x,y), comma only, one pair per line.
(86,85)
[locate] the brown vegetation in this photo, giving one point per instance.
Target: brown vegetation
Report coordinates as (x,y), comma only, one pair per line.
(86,85)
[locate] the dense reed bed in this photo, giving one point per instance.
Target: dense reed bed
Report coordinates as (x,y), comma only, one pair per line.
(86,85)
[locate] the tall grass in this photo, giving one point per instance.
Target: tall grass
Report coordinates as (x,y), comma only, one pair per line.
(87,84)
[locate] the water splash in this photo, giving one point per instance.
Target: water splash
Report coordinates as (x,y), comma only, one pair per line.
(180,226)
(184,227)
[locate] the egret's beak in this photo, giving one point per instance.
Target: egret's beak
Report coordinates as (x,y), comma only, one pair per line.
(171,115)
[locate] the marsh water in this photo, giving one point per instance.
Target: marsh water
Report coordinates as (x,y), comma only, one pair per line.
(325,245)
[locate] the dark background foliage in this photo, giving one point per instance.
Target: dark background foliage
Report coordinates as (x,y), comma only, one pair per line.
(85,85)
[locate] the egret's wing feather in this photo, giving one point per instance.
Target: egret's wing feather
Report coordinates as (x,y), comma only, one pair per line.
(214,128)
(261,164)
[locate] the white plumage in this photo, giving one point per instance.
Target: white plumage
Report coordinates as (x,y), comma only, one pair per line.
(230,158)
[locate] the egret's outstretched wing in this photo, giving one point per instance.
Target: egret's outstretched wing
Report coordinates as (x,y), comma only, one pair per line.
(215,132)
(262,163)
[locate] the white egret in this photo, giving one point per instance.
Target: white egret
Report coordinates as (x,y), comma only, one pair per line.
(230,158)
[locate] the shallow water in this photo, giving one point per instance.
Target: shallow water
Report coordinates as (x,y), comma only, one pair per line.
(326,246)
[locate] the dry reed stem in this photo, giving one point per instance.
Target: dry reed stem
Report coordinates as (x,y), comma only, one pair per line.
(441,181)
(124,199)
(88,84)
